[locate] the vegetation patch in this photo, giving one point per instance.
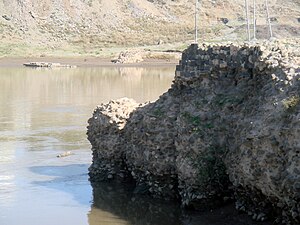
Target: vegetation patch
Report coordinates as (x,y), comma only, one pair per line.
(222,100)
(158,112)
(211,168)
(197,124)
(194,120)
(291,102)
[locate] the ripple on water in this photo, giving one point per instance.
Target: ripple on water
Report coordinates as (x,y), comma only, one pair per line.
(7,188)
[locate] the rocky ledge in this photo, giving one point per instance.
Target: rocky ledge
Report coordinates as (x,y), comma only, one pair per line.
(227,129)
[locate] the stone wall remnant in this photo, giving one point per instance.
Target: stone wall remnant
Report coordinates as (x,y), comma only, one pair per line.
(228,127)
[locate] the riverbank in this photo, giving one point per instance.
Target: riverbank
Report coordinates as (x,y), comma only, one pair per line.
(163,54)
(84,61)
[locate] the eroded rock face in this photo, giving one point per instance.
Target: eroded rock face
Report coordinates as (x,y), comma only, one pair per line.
(230,124)
(150,137)
(104,133)
(246,110)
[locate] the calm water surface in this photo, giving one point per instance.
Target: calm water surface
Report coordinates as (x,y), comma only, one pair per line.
(44,113)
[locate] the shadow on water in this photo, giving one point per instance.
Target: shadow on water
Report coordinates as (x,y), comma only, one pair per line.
(72,179)
(119,199)
(112,203)
(115,203)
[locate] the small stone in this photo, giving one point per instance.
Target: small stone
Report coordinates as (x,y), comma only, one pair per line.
(65,154)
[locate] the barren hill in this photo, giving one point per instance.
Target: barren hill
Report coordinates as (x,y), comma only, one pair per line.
(101,23)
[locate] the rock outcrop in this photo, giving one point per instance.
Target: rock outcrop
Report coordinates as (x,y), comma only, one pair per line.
(228,127)
(129,57)
(105,136)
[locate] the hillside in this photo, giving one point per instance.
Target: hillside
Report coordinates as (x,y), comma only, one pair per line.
(85,26)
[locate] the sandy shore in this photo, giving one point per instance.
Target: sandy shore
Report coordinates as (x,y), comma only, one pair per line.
(84,62)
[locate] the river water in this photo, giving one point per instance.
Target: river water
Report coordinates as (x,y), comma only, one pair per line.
(44,113)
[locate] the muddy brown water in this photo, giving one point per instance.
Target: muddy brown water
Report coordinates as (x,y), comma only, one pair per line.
(43,113)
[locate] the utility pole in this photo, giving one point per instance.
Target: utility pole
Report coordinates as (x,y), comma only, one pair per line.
(268,19)
(196,21)
(247,18)
(254,20)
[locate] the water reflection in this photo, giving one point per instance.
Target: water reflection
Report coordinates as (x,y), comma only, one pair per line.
(52,106)
(127,208)
(38,99)
(115,203)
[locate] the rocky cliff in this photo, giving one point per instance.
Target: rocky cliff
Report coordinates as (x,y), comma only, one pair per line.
(228,128)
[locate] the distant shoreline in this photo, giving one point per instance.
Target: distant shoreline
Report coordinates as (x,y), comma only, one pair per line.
(84,62)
